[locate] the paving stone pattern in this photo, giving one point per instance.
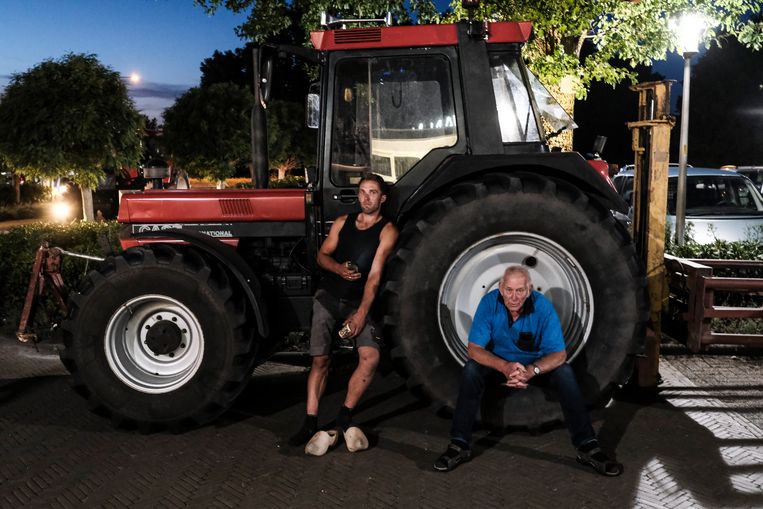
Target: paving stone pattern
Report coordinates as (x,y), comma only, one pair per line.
(695,446)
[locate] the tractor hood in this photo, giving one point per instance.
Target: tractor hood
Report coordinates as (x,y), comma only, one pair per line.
(212,206)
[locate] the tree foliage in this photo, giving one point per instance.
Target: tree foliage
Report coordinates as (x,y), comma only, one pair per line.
(70,116)
(290,143)
(207,130)
(625,33)
(229,67)
(289,82)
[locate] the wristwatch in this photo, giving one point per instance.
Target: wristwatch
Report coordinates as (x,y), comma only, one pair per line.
(536,369)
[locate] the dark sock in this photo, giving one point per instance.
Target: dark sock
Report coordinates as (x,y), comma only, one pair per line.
(306,432)
(344,419)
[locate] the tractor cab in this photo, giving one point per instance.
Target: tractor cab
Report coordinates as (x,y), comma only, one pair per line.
(400,100)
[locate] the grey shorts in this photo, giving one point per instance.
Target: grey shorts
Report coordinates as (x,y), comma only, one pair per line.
(329,313)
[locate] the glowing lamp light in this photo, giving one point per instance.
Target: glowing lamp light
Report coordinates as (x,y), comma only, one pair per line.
(689,28)
(61,211)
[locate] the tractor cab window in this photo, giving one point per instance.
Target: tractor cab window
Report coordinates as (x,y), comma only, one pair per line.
(389,113)
(515,114)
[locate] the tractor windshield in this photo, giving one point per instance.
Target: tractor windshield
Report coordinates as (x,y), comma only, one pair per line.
(389,112)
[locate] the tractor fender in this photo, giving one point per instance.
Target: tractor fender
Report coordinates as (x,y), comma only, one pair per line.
(568,166)
(232,261)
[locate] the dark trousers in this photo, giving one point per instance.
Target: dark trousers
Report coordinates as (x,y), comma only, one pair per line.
(561,379)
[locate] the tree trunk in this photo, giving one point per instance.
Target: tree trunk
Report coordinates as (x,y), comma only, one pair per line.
(87,204)
(17,188)
(564,93)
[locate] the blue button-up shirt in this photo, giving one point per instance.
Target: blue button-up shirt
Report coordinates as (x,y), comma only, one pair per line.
(534,334)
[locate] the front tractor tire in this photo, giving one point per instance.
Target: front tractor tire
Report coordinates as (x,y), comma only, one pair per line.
(159,338)
(455,251)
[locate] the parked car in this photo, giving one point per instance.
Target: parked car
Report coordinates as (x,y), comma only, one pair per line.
(754,173)
(720,204)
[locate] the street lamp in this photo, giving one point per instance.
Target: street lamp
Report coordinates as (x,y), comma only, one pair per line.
(690,28)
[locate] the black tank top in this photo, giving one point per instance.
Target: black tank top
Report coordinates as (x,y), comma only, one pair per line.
(359,247)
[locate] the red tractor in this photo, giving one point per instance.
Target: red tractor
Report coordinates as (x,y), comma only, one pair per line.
(168,332)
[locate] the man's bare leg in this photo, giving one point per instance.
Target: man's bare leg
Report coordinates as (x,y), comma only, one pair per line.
(316,382)
(368,360)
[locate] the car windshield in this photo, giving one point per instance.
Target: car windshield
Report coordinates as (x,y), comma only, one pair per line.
(717,195)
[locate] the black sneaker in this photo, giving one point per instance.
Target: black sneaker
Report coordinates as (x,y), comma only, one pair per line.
(599,461)
(452,457)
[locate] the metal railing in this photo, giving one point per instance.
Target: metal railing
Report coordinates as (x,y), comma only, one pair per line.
(691,282)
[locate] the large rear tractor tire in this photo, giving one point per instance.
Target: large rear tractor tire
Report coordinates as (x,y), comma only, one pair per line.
(159,338)
(455,251)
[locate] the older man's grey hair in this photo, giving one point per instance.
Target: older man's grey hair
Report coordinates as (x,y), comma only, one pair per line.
(518,269)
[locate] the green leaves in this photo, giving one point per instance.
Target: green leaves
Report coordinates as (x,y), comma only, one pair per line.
(751,34)
(624,33)
(71,115)
(207,130)
(289,141)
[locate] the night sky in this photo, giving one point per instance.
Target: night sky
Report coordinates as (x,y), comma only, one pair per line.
(162,40)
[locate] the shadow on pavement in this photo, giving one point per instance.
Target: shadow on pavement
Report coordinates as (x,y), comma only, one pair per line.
(684,448)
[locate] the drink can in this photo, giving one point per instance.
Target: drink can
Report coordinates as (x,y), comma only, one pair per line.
(345,331)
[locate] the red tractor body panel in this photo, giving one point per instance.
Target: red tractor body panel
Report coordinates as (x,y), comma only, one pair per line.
(235,205)
(156,210)
(130,243)
(413,36)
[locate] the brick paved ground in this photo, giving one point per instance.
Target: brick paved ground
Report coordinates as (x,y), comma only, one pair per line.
(699,445)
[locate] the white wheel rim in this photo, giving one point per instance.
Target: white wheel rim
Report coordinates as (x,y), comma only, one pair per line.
(134,363)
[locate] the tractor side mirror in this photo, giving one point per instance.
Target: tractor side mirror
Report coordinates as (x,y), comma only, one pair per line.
(313,111)
(313,107)
(263,72)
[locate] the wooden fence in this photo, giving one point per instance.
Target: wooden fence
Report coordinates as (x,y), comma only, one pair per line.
(691,283)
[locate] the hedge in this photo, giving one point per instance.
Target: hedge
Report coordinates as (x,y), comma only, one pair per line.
(17,252)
